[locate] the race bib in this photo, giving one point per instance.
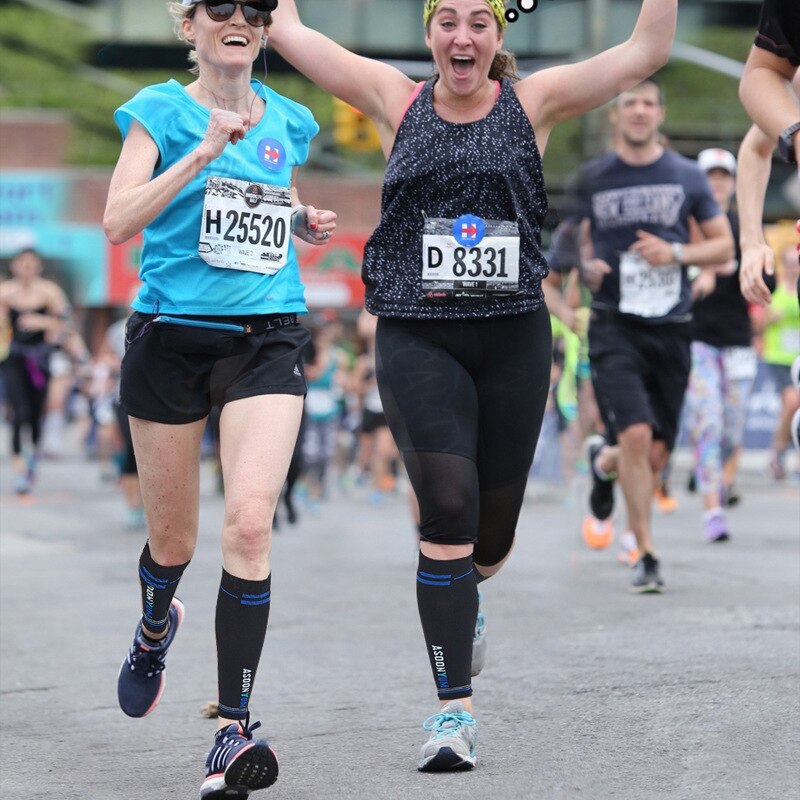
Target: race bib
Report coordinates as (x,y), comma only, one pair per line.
(790,340)
(469,257)
(245,225)
(740,363)
(645,290)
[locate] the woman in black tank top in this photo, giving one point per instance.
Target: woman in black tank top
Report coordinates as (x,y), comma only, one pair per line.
(33,308)
(453,271)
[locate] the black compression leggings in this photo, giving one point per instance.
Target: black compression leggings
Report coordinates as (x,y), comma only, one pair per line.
(26,402)
(464,401)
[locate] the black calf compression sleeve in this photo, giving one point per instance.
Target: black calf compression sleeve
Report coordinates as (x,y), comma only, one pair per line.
(241,625)
(447,597)
(158,588)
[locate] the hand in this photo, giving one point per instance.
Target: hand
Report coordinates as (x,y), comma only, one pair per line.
(592,272)
(223,127)
(756,259)
(312,225)
(653,249)
(704,284)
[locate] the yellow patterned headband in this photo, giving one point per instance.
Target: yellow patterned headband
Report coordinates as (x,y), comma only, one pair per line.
(497,6)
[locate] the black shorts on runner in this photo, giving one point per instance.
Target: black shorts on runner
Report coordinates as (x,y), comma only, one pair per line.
(640,373)
(174,374)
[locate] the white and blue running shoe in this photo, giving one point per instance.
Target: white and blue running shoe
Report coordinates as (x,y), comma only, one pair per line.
(452,743)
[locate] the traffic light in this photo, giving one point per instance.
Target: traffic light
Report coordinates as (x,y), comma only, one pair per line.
(353,130)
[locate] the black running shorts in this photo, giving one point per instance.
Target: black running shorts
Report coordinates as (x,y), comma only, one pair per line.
(640,373)
(174,374)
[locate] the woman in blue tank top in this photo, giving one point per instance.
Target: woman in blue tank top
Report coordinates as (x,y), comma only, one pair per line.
(208,173)
(453,271)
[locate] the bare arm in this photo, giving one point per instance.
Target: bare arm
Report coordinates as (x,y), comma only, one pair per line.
(566,91)
(376,89)
(136,198)
(767,95)
(752,177)
(714,248)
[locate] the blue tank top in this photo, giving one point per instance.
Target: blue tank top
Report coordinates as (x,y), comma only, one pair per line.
(176,280)
(490,169)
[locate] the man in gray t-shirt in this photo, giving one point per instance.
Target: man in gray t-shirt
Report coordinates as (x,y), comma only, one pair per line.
(638,201)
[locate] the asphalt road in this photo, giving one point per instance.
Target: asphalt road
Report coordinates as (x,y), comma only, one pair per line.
(589,692)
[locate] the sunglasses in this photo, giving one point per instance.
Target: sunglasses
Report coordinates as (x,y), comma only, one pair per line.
(255,13)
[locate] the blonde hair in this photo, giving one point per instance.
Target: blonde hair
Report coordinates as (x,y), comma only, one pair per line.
(180,12)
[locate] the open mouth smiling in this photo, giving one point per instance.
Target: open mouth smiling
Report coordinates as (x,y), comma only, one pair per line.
(235,40)
(462,64)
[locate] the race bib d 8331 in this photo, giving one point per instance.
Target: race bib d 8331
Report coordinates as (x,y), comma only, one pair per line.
(469,257)
(245,225)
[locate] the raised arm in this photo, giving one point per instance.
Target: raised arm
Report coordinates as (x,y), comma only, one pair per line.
(566,91)
(374,88)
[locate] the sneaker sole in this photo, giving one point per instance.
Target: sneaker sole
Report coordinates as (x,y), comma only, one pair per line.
(648,588)
(217,790)
(255,768)
(447,760)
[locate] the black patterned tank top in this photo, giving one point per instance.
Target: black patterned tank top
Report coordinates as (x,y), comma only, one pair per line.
(490,168)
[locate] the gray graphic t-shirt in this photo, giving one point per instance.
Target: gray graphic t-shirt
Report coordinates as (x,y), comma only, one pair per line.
(659,198)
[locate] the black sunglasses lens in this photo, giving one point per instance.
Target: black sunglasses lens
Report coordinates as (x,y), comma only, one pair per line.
(219,12)
(256,15)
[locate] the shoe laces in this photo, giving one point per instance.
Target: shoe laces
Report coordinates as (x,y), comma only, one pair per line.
(445,723)
(244,731)
(146,661)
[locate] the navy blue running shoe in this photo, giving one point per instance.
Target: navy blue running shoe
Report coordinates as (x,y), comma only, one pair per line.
(601,500)
(238,764)
(141,677)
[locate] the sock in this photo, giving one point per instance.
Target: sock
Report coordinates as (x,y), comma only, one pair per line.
(241,626)
(158,588)
(447,596)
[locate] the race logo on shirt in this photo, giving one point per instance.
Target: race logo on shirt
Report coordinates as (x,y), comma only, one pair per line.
(469,230)
(272,154)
